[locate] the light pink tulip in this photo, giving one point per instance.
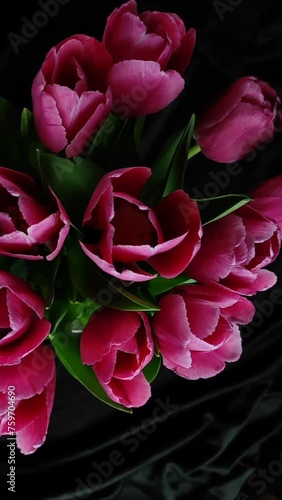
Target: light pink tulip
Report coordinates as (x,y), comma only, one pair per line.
(197,331)
(236,249)
(268,199)
(151,52)
(71,98)
(239,121)
(151,36)
(141,88)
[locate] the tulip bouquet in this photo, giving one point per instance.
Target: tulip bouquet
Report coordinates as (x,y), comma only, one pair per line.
(108,264)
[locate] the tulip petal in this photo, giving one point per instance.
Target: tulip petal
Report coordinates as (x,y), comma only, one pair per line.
(38,411)
(238,121)
(31,376)
(6,224)
(13,243)
(204,365)
(172,331)
(267,199)
(142,88)
(78,59)
(130,180)
(216,257)
(105,368)
(232,349)
(105,330)
(15,334)
(23,291)
(243,89)
(3,412)
(45,229)
(126,180)
(130,393)
(81,115)
(95,59)
(226,299)
(20,318)
(232,140)
(249,282)
(132,273)
(182,57)
(258,228)
(32,210)
(241,311)
(4,316)
(87,131)
(114,20)
(132,41)
(47,118)
(203,317)
(166,25)
(64,231)
(207,365)
(12,353)
(17,183)
(178,216)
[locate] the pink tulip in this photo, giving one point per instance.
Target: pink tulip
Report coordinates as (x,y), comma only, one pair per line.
(196,329)
(118,345)
(152,51)
(140,88)
(166,236)
(245,116)
(22,323)
(151,36)
(71,98)
(268,199)
(236,249)
(28,391)
(28,220)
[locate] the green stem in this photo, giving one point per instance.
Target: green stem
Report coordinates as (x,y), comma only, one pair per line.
(194,151)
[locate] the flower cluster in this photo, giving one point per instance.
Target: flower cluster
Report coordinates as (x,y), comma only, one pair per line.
(107,263)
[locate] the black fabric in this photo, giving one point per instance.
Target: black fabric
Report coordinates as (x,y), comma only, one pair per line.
(216,439)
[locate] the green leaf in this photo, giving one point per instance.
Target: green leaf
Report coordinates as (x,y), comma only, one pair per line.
(122,153)
(57,312)
(69,355)
(9,135)
(152,369)
(160,285)
(216,208)
(19,268)
(194,151)
(72,181)
(42,276)
(65,283)
(103,140)
(138,131)
(29,144)
(5,263)
(127,301)
(114,145)
(155,185)
(106,290)
(169,166)
(177,169)
(26,120)
(62,314)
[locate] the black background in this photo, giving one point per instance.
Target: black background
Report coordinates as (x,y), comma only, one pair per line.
(221,430)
